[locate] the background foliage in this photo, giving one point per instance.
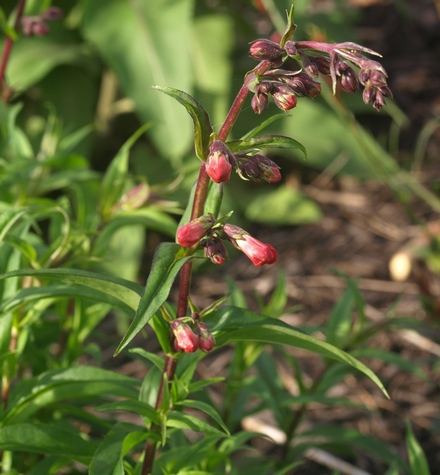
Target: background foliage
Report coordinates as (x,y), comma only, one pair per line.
(84,128)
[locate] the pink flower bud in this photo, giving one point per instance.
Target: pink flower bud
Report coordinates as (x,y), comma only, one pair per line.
(259,102)
(258,168)
(219,162)
(283,96)
(258,252)
(290,48)
(266,50)
(185,339)
(206,340)
(215,250)
(190,234)
(52,13)
(40,28)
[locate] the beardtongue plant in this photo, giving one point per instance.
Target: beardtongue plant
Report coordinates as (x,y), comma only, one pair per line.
(182,328)
(202,233)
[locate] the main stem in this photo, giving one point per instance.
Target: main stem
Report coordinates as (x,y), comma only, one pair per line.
(7,48)
(200,195)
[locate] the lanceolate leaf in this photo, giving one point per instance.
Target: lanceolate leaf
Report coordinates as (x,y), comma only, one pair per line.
(202,125)
(60,291)
(132,405)
(168,260)
(237,324)
(108,459)
(53,386)
(265,142)
(146,43)
(45,439)
(124,290)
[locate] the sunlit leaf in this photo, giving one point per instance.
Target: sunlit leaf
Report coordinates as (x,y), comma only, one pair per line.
(202,125)
(237,324)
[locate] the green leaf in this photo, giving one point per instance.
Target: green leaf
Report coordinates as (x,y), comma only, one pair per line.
(202,125)
(132,405)
(123,290)
(392,358)
(285,205)
(60,291)
(29,396)
(32,58)
(265,142)
(237,324)
(417,459)
(179,420)
(155,359)
(108,458)
(207,409)
(168,260)
(339,322)
(290,28)
(146,43)
(113,182)
(46,439)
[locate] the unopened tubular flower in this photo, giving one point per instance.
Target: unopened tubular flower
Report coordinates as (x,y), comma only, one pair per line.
(190,234)
(206,340)
(266,50)
(184,338)
(346,77)
(283,96)
(258,252)
(220,162)
(258,168)
(215,250)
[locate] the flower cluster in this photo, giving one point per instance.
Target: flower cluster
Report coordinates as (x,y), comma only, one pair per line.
(37,25)
(221,161)
(334,60)
(188,341)
(211,238)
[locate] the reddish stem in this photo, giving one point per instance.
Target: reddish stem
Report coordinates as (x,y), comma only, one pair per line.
(8,46)
(185,273)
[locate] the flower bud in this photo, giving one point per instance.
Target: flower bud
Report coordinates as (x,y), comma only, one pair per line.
(219,162)
(259,102)
(206,340)
(347,77)
(134,198)
(185,339)
(258,168)
(266,50)
(190,234)
(258,252)
(283,96)
(52,13)
(290,48)
(215,250)
(40,28)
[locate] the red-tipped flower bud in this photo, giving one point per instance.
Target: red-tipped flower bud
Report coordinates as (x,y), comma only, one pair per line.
(185,339)
(219,162)
(190,234)
(266,50)
(258,168)
(284,97)
(215,250)
(258,252)
(206,340)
